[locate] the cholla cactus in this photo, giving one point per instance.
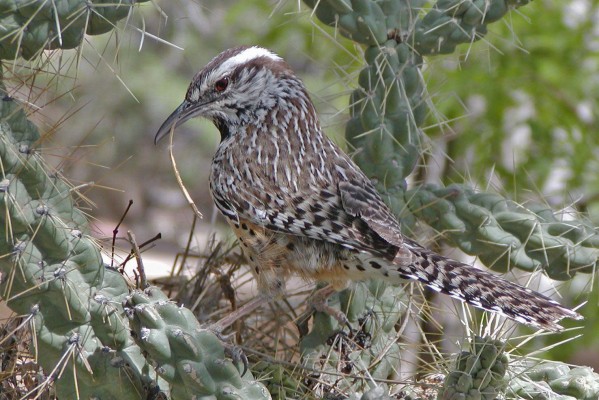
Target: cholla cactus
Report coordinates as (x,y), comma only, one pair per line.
(29,27)
(52,274)
(190,358)
(478,373)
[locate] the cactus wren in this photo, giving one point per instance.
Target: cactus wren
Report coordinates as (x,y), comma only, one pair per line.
(299,205)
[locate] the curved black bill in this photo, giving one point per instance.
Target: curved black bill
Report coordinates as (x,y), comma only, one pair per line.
(184,112)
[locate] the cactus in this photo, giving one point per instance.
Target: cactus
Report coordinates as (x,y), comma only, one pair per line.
(386,112)
(478,373)
(483,373)
(447,24)
(553,381)
(505,234)
(52,274)
(29,27)
(190,358)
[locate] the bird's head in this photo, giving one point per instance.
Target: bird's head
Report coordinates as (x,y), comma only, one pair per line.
(239,85)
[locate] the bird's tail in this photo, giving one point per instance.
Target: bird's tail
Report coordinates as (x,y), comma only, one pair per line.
(483,289)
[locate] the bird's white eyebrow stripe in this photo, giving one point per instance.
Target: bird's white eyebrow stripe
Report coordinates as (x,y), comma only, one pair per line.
(246,55)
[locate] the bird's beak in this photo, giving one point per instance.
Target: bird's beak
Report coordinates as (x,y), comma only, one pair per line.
(184,112)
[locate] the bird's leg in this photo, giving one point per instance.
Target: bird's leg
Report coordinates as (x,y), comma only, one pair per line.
(318,301)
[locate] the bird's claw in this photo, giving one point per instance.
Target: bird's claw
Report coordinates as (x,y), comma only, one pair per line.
(320,305)
(232,351)
(237,356)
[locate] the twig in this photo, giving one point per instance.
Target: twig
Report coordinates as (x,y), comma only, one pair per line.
(115,231)
(178,176)
(141,246)
(143,281)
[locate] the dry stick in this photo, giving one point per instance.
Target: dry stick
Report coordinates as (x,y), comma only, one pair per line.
(188,245)
(115,231)
(143,281)
(141,246)
(242,311)
(178,176)
(147,242)
(185,253)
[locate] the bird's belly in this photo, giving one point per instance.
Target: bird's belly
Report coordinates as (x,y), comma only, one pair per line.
(274,256)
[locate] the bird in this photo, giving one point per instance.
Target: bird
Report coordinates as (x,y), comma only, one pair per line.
(300,206)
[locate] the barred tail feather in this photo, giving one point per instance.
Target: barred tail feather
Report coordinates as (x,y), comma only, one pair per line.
(484,290)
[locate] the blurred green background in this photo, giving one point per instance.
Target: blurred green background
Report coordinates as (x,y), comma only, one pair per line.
(515,113)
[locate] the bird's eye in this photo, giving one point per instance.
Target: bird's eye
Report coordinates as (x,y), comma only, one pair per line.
(221,84)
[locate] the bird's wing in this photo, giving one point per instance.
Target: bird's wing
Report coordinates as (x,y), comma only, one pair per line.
(348,213)
(360,199)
